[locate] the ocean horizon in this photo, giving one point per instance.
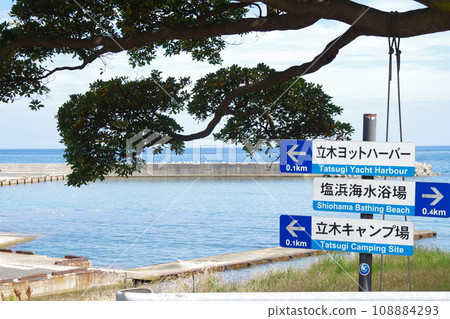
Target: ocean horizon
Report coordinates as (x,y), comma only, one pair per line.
(196,155)
(227,154)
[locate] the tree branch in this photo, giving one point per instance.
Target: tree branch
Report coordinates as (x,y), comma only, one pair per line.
(368,21)
(440,5)
(301,14)
(115,45)
(325,57)
(86,61)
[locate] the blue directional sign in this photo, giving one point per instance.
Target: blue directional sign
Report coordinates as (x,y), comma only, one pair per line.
(347,158)
(391,197)
(296,156)
(432,199)
(368,236)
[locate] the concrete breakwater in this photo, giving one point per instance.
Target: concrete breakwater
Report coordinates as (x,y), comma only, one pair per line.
(30,180)
(32,169)
(22,271)
(13,173)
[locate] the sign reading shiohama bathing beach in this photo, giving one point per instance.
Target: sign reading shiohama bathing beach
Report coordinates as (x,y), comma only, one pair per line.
(382,197)
(347,158)
(348,235)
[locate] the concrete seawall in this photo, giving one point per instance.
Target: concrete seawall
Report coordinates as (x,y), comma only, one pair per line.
(33,169)
(175,170)
(157,170)
(214,170)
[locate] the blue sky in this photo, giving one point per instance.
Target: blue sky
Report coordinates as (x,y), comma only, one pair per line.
(357,81)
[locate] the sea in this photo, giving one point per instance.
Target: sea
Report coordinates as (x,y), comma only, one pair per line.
(126,223)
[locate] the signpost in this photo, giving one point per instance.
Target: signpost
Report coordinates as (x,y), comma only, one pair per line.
(365,259)
(368,236)
(347,158)
(394,197)
(366,196)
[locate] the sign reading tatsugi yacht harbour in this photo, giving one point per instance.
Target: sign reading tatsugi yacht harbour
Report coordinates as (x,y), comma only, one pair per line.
(347,158)
(382,197)
(345,234)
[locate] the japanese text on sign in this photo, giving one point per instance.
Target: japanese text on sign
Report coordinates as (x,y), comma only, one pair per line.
(347,158)
(347,229)
(349,235)
(361,152)
(356,189)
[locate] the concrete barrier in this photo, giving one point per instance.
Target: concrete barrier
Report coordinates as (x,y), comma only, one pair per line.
(53,276)
(39,171)
(42,171)
(25,180)
(140,294)
(213,170)
(33,169)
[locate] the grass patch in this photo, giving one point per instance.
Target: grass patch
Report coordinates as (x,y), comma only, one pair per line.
(339,272)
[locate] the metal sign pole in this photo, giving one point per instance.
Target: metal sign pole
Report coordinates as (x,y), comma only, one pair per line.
(365,260)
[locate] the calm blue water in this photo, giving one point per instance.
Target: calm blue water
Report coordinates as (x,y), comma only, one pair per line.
(138,222)
(32,156)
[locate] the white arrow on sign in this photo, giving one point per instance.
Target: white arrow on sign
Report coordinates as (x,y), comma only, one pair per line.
(292,153)
(290,228)
(437,196)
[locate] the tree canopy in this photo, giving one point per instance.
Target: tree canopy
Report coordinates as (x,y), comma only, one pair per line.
(258,102)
